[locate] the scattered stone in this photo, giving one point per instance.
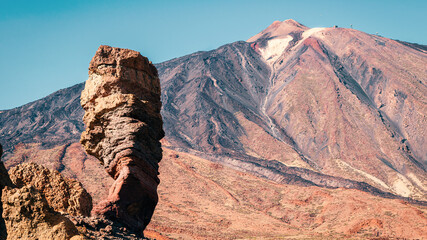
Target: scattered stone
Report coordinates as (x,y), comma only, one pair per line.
(102,228)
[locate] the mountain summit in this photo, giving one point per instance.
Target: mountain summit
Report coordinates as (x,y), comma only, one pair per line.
(279,36)
(279,29)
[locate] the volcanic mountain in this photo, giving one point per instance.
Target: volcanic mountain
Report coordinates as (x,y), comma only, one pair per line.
(267,129)
(336,101)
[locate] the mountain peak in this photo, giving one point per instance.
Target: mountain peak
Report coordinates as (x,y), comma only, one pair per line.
(293,22)
(278,28)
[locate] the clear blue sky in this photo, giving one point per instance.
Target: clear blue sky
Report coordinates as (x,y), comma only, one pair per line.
(47,45)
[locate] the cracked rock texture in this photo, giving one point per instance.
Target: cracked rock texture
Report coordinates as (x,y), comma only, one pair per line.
(122,106)
(28,216)
(62,194)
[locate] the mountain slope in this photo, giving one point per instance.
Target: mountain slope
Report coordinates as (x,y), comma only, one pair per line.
(53,120)
(336,101)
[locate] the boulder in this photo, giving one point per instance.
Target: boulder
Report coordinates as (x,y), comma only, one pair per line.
(62,194)
(28,216)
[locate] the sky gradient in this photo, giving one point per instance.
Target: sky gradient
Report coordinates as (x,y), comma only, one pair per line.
(47,45)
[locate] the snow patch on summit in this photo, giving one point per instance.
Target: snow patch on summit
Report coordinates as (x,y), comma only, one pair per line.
(311,31)
(308,33)
(274,49)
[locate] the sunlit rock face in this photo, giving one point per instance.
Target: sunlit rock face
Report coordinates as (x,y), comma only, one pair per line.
(28,215)
(122,105)
(62,194)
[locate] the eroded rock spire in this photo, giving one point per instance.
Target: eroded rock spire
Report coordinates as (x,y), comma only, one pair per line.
(122,105)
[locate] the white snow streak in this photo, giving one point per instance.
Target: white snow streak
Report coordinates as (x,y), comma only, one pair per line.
(274,49)
(310,32)
(306,34)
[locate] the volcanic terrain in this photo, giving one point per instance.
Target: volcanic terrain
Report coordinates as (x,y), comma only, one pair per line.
(309,132)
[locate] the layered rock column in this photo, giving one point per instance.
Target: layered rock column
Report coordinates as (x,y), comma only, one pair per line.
(122,106)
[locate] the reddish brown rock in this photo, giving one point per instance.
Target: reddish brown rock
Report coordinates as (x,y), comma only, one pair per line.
(62,194)
(122,105)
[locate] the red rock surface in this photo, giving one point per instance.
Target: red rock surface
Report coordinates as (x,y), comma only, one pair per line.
(122,105)
(200,199)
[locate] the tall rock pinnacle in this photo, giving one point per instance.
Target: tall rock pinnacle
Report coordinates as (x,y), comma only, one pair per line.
(122,105)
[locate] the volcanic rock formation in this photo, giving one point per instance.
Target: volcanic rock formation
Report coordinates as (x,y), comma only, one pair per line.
(124,126)
(31,198)
(62,194)
(28,216)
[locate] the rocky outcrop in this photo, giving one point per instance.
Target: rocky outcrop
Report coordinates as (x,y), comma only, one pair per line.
(123,128)
(62,194)
(28,216)
(31,197)
(45,205)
